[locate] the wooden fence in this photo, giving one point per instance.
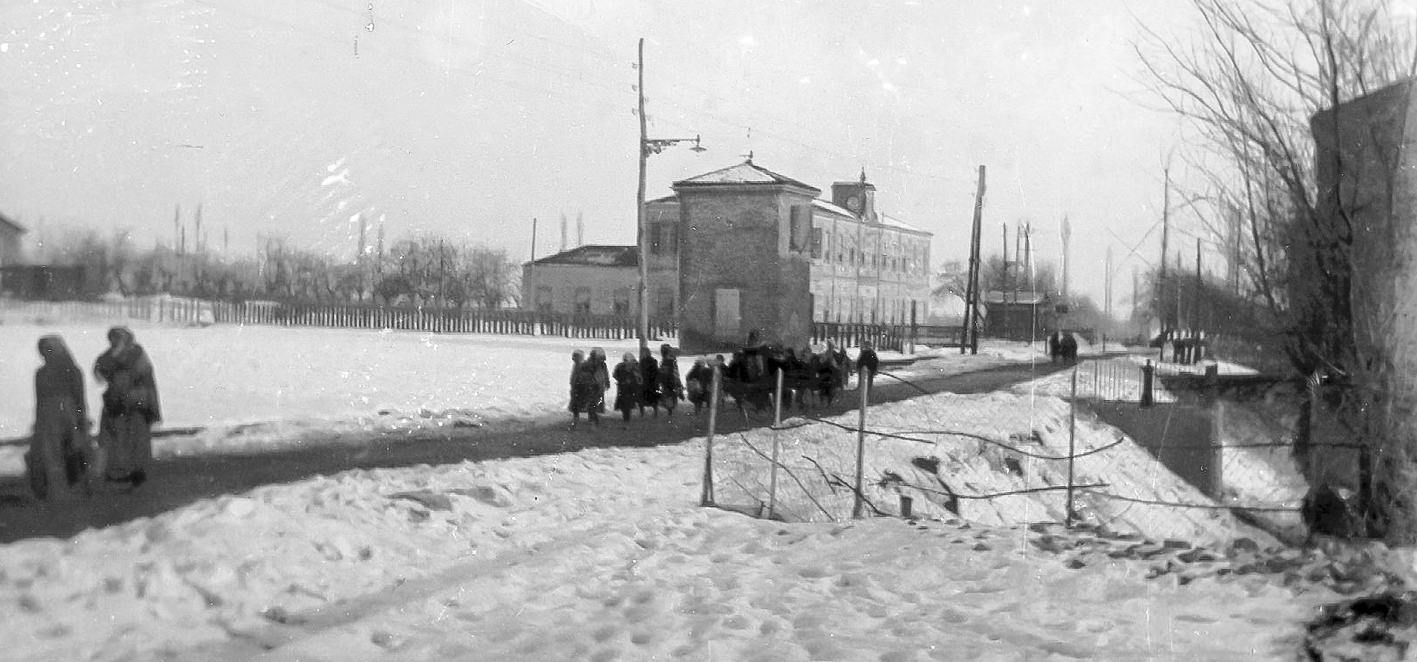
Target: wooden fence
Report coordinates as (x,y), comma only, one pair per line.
(162,310)
(434,320)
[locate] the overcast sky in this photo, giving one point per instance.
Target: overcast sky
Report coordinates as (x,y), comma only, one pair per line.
(471,118)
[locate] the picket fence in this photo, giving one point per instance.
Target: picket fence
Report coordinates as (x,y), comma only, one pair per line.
(435,320)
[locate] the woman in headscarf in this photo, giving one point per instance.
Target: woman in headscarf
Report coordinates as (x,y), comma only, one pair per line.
(649,382)
(130,407)
(628,387)
(671,386)
(59,455)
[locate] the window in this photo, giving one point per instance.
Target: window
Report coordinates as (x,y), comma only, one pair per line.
(800,231)
(664,302)
(543,299)
(663,239)
(727,315)
(816,243)
(582,305)
(622,301)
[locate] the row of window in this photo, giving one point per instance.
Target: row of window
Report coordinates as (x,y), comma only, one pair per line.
(893,310)
(581,298)
(906,258)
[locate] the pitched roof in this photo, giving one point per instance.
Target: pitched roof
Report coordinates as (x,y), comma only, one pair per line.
(891,221)
(743,173)
(5,221)
(596,256)
(833,209)
(672,197)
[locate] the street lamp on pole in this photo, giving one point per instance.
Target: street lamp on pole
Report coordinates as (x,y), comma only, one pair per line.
(648,146)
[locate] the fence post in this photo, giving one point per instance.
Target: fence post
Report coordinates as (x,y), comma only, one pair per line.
(1148,372)
(707,498)
(1217,449)
(776,425)
(864,386)
(1072,445)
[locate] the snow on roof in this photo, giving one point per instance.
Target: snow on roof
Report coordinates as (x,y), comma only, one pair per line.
(891,221)
(833,209)
(15,228)
(743,173)
(596,256)
(672,197)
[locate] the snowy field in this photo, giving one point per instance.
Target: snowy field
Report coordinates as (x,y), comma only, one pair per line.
(256,387)
(605,555)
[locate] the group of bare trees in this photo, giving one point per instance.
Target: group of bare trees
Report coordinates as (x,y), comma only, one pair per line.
(426,271)
(1261,88)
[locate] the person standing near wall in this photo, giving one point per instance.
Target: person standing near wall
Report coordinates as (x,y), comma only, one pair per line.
(870,362)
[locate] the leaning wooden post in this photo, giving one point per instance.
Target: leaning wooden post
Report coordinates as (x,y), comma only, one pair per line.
(776,424)
(863,385)
(707,499)
(1072,446)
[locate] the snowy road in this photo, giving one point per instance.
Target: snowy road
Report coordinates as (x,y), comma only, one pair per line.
(180,480)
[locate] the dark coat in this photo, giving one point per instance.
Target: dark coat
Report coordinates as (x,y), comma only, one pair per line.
(60,451)
(588,386)
(130,407)
(649,380)
(671,386)
(628,388)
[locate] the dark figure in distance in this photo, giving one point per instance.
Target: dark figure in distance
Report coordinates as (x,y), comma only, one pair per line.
(1054,347)
(588,386)
(870,363)
(628,388)
(649,382)
(671,386)
(1068,347)
(130,408)
(60,455)
(699,383)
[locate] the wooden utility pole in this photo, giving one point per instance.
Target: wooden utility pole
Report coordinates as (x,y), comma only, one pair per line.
(1165,238)
(971,296)
(1196,299)
(1004,286)
(1067,233)
(643,149)
(529,292)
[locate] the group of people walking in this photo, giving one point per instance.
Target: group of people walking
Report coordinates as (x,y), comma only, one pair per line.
(63,459)
(640,383)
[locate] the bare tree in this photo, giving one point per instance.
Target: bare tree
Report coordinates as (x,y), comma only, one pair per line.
(1261,85)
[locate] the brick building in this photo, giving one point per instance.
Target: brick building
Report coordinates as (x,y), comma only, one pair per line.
(11,234)
(744,248)
(758,250)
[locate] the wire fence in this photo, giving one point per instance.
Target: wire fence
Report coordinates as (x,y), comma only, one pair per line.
(983,459)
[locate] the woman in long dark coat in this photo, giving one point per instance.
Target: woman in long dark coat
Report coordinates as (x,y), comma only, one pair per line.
(628,387)
(671,385)
(59,455)
(649,382)
(588,387)
(130,408)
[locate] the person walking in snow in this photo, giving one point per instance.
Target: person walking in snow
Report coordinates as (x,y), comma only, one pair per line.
(869,362)
(60,454)
(699,382)
(588,385)
(575,405)
(628,388)
(671,386)
(130,408)
(649,382)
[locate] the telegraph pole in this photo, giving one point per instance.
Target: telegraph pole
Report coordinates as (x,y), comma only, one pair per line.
(971,292)
(1165,238)
(640,207)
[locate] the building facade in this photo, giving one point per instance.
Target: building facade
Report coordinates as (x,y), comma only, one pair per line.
(590,280)
(742,249)
(11,234)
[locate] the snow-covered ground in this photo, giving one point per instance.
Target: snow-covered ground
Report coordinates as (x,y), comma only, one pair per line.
(606,554)
(257,387)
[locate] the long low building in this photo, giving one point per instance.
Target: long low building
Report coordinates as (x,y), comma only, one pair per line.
(744,248)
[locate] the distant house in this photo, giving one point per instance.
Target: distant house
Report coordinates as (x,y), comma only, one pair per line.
(10,235)
(1018,315)
(595,280)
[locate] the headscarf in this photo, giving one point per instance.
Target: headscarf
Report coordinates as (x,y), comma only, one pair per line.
(59,375)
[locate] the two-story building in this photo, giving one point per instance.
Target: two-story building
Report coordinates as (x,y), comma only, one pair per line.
(744,248)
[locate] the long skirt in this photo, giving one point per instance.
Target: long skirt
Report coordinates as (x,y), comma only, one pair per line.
(127,444)
(60,453)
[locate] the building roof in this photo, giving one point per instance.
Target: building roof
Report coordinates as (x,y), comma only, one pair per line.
(8,224)
(595,256)
(891,221)
(672,197)
(833,209)
(745,173)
